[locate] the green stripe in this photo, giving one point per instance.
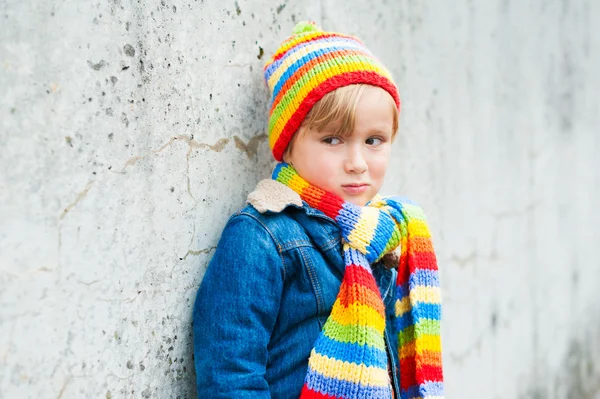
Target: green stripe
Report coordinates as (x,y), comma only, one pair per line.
(284,176)
(304,79)
(362,335)
(413,212)
(423,327)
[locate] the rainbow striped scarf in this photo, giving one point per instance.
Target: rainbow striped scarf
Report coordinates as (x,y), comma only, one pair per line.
(349,359)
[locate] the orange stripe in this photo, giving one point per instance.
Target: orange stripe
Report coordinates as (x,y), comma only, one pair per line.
(305,68)
(295,40)
(351,293)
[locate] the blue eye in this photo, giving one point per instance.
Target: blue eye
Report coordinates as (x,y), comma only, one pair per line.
(374,141)
(332,140)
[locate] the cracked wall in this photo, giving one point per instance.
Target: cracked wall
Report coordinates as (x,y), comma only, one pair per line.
(130,131)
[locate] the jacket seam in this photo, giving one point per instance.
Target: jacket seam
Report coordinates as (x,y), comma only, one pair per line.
(331,243)
(279,249)
(389,285)
(393,365)
(315,282)
(290,245)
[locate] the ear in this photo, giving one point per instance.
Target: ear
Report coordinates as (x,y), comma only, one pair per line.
(287,157)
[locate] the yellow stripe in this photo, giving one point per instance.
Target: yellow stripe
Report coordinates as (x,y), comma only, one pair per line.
(297,183)
(305,51)
(292,41)
(305,37)
(357,314)
(432,343)
(426,294)
(343,370)
(402,306)
(409,350)
(364,230)
(332,70)
(418,294)
(418,228)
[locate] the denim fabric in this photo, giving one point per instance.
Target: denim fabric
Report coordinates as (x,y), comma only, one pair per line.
(264,299)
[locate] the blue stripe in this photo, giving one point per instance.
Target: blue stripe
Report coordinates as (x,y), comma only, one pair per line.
(351,352)
(344,389)
(401,200)
(273,67)
(289,72)
(354,256)
(420,391)
(347,218)
(277,170)
(422,277)
(421,311)
(383,233)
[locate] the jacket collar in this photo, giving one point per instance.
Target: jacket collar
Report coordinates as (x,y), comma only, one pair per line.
(273,196)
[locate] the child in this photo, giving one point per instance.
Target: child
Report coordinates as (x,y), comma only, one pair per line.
(305,295)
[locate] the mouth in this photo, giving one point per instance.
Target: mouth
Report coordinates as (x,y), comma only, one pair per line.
(355,188)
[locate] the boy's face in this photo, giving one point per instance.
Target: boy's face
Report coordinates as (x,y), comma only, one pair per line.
(352,167)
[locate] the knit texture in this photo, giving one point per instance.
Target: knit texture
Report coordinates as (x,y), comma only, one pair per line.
(310,64)
(349,359)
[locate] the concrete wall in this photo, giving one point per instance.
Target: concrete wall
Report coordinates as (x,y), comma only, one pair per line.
(131,130)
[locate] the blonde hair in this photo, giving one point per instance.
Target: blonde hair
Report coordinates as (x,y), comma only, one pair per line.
(339,107)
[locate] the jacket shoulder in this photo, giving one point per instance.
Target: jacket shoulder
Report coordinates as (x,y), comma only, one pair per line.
(282,226)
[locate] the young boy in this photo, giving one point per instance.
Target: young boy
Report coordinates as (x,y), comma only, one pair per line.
(319,287)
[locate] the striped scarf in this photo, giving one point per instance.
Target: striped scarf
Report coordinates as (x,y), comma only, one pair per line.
(349,359)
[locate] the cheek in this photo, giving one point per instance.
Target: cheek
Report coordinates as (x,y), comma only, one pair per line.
(316,165)
(325,170)
(378,167)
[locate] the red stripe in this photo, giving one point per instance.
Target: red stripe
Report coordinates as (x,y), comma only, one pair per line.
(410,377)
(321,36)
(350,293)
(423,260)
(300,72)
(429,373)
(408,373)
(310,394)
(318,92)
(330,205)
(359,275)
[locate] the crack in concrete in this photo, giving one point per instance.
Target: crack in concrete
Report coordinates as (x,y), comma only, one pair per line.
(10,340)
(88,283)
(133,160)
(465,260)
(62,390)
(199,252)
(217,147)
(249,148)
(192,252)
(252,147)
(80,196)
(476,346)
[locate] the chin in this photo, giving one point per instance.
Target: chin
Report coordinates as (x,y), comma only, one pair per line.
(360,201)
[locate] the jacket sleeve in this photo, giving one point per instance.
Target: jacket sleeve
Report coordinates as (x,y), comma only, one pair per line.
(235,311)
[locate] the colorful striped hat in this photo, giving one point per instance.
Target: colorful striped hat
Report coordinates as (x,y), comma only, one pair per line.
(310,64)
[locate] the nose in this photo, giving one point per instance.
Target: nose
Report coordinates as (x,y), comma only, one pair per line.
(355,160)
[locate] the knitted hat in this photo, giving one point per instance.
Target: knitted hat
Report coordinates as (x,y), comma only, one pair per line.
(310,64)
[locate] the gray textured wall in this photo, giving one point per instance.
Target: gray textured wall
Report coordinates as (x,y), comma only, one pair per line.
(131,130)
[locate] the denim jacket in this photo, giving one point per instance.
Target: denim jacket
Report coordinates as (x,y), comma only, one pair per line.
(266,295)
